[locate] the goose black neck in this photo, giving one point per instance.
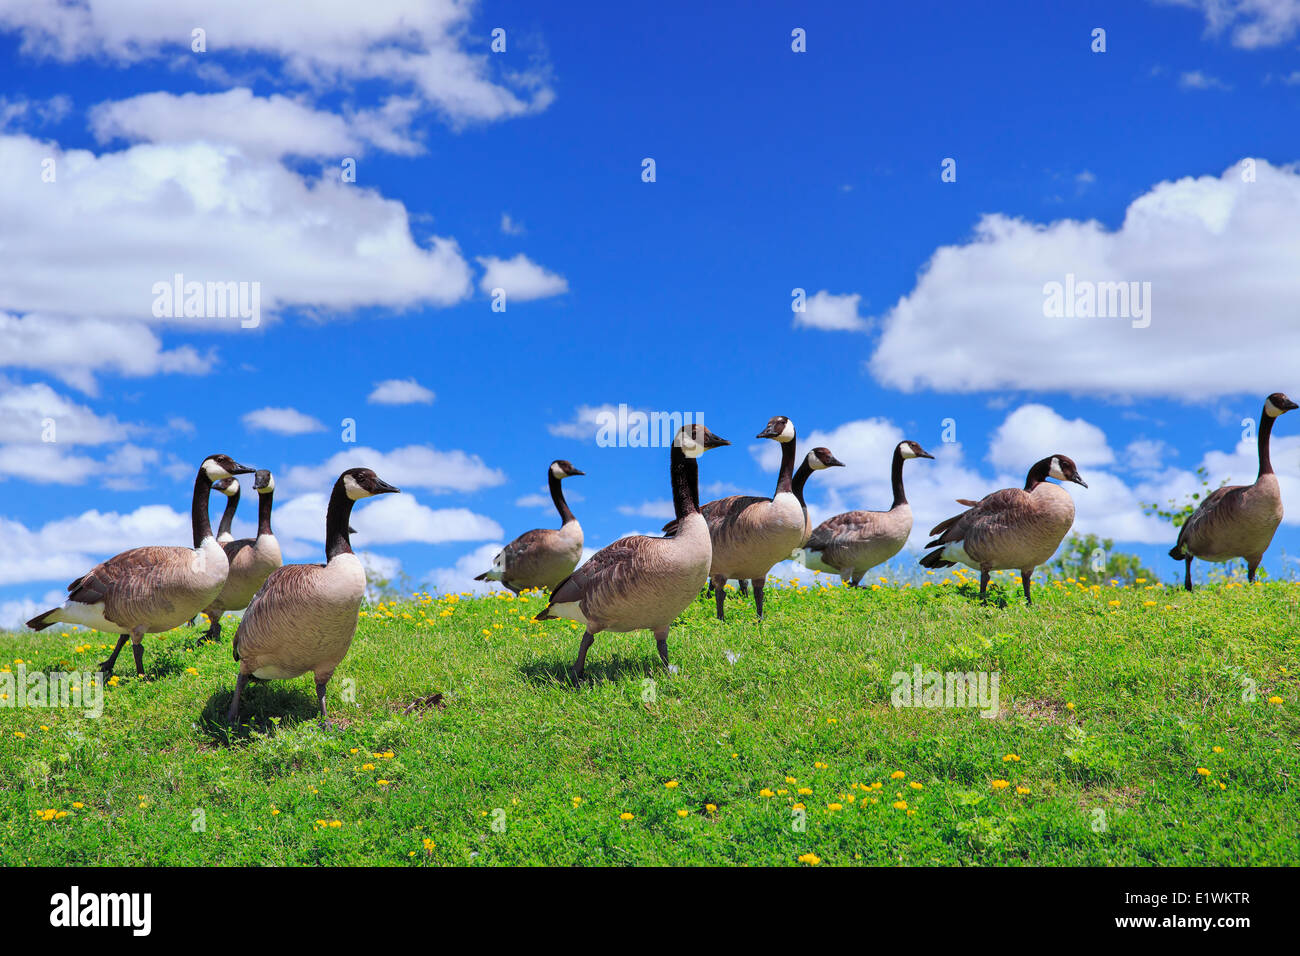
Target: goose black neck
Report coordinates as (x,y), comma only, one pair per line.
(264,512)
(685,474)
(1265,430)
(199,508)
(557,496)
(1038,474)
(336,522)
(783,478)
(896,478)
(800,479)
(228,516)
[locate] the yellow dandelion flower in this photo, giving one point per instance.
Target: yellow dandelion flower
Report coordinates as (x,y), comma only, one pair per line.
(671,784)
(1203,771)
(1275,699)
(766,793)
(1022,790)
(897,775)
(1000,784)
(811,859)
(915,786)
(626,816)
(900,804)
(681,813)
(833,807)
(804,791)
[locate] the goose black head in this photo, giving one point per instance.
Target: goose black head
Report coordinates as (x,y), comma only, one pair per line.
(779,428)
(695,439)
(1278,404)
(217,467)
(821,457)
(564,469)
(910,449)
(363,483)
(1062,468)
(263,483)
(227,486)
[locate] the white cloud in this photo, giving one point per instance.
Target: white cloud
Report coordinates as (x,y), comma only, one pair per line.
(412,466)
(832,313)
(111,226)
(460,576)
(274,126)
(386,519)
(20,111)
(1197,80)
(522,279)
(1252,23)
(1032,432)
(282,421)
(1213,249)
(585,422)
(74,349)
(421,47)
(1148,455)
(26,409)
(400,391)
(510,227)
(649,509)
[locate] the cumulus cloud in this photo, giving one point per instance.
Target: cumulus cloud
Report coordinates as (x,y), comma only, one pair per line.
(268,126)
(1199,80)
(1032,432)
(282,421)
(832,313)
(386,519)
(585,422)
(412,466)
(522,279)
(419,47)
(74,349)
(111,226)
(400,391)
(1252,24)
(1215,250)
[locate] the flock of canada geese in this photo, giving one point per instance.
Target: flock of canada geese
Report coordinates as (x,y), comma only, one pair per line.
(302,617)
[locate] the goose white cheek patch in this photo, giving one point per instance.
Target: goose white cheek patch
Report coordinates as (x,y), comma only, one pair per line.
(906,451)
(787,433)
(1055,470)
(557,471)
(354,490)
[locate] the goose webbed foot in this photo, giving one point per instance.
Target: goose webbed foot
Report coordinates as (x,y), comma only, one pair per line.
(213,633)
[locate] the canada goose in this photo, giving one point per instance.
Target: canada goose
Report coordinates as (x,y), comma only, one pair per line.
(853,543)
(1011,528)
(303,618)
(1237,521)
(230,488)
(251,560)
(750,534)
(152,589)
(544,557)
(641,582)
(816,460)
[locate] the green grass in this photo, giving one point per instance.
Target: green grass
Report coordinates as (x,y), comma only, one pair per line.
(493,777)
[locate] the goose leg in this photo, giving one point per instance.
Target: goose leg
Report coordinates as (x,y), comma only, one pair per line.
(580,665)
(106,668)
(661,641)
(137,650)
(214,628)
(744,588)
(709,592)
(320,698)
(1251,565)
(1187,577)
(984,586)
(758,595)
(232,715)
(719,593)
(1024,583)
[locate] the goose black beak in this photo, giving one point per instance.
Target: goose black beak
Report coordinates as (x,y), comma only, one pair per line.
(834,462)
(713,441)
(351,530)
(241,469)
(769,432)
(1079,481)
(924,454)
(383,487)
(576,472)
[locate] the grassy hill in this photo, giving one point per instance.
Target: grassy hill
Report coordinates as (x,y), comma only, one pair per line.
(1135,725)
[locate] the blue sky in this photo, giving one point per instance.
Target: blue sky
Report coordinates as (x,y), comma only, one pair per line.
(775,170)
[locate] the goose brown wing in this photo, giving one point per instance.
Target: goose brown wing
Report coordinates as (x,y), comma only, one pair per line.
(613,567)
(273,607)
(846,526)
(522,546)
(127,577)
(954,528)
(1220,506)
